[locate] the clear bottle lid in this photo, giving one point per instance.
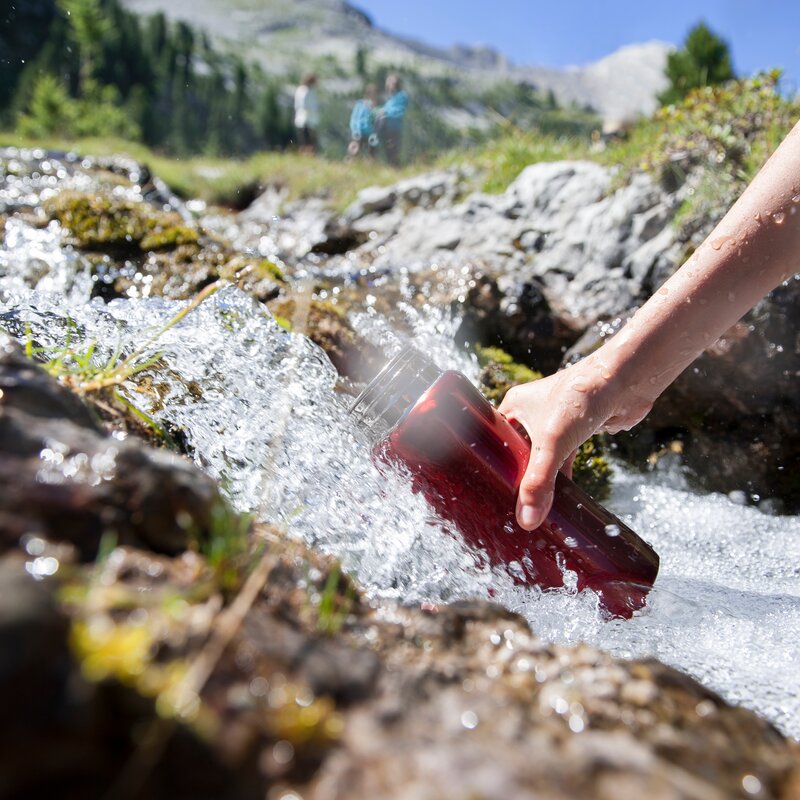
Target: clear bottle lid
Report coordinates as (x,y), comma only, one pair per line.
(393,391)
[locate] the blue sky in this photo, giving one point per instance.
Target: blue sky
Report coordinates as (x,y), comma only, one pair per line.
(761,33)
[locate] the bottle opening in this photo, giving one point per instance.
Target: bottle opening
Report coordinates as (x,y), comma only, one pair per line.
(393,391)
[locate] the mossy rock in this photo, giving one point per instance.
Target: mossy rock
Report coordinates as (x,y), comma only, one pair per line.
(591,470)
(102,222)
(500,372)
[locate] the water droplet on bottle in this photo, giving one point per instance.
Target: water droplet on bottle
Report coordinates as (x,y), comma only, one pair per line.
(731,297)
(612,530)
(664,290)
(796,198)
(571,541)
(779,217)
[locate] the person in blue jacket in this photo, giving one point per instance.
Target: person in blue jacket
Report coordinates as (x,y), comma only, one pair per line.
(391,116)
(363,137)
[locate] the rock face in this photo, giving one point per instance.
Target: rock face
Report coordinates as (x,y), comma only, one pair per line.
(593,250)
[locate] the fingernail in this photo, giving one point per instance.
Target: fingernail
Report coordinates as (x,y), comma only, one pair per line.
(528,517)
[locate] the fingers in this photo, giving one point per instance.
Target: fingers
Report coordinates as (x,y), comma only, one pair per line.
(536,488)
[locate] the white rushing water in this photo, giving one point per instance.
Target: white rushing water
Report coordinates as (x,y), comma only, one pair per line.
(260,412)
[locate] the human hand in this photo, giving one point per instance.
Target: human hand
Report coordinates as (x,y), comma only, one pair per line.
(559,413)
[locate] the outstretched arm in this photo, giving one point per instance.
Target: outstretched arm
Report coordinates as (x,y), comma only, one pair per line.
(753,249)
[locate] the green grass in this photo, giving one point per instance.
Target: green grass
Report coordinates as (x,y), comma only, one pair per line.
(335,601)
(225,181)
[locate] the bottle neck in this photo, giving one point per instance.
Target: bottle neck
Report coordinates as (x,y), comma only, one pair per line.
(393,392)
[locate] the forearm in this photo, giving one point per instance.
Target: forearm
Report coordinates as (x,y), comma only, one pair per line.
(753,249)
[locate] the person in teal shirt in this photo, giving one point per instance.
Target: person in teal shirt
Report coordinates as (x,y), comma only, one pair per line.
(363,138)
(391,117)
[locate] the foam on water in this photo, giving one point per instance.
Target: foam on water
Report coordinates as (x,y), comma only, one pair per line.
(260,412)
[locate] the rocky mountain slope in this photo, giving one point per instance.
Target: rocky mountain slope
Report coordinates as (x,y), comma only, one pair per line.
(285,36)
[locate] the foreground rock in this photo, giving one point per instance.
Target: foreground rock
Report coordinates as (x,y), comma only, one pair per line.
(65,479)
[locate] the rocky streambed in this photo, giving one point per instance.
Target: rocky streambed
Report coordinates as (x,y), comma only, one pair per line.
(171,624)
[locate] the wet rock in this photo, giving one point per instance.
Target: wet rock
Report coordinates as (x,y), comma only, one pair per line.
(24,387)
(64,480)
(526,326)
(326,325)
(34,658)
(467,696)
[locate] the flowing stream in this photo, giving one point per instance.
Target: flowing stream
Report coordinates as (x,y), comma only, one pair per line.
(261,415)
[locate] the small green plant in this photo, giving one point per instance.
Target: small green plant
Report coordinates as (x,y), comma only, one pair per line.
(335,604)
(227,545)
(77,367)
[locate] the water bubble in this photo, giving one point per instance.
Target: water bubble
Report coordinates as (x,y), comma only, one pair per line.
(469,720)
(751,784)
(612,530)
(42,567)
(576,723)
(283,752)
(779,217)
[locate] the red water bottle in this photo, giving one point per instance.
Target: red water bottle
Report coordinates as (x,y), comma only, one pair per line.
(468,461)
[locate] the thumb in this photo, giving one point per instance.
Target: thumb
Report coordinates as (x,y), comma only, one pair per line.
(537,486)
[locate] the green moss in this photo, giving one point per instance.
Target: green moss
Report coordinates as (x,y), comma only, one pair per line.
(591,470)
(500,372)
(100,222)
(169,237)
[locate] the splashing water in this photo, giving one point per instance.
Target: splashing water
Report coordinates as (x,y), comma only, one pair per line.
(261,415)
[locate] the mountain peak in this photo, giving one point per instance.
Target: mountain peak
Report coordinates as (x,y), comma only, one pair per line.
(287,36)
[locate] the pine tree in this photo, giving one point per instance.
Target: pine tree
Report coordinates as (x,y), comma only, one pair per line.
(704,60)
(90,29)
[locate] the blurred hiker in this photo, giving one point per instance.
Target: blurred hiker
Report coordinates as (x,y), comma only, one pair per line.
(306,113)
(753,249)
(391,116)
(363,136)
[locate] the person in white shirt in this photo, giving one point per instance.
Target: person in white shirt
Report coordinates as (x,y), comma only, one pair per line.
(306,113)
